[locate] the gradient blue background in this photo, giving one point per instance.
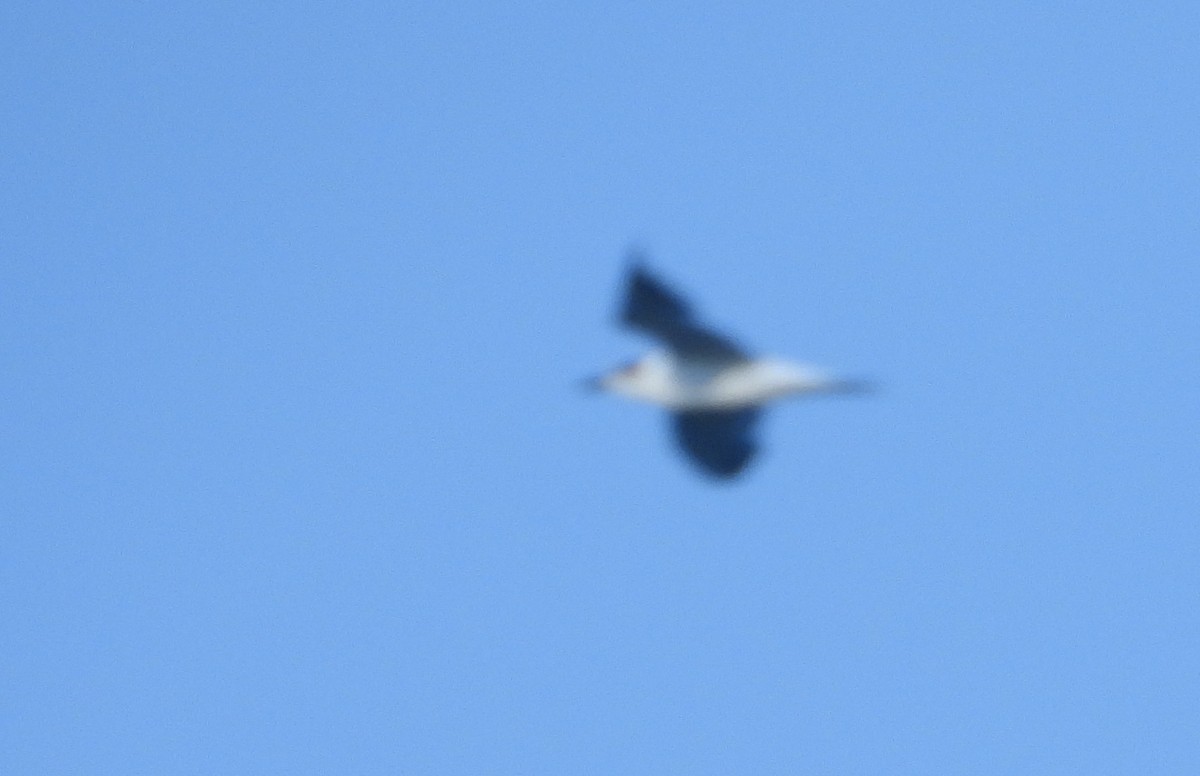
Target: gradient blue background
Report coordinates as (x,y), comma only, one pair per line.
(297,479)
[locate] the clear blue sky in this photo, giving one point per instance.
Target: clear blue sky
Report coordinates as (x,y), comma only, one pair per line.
(296,477)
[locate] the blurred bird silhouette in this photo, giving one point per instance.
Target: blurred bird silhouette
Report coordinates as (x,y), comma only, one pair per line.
(714,389)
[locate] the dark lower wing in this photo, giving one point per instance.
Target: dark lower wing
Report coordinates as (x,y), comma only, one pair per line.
(720,443)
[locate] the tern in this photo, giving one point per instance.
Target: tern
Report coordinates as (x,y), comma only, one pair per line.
(714,390)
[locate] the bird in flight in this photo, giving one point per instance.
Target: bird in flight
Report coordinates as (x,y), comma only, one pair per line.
(713,388)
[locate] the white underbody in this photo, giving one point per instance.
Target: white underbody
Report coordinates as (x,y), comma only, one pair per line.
(664,379)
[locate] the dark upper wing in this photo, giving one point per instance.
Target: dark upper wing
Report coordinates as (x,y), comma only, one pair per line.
(658,311)
(720,443)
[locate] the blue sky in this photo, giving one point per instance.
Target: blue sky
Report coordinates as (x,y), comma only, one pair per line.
(294,299)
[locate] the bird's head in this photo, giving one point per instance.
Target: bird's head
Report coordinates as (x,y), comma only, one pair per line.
(646,379)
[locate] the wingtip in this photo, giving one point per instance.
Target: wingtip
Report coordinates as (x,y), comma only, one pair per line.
(644,292)
(637,264)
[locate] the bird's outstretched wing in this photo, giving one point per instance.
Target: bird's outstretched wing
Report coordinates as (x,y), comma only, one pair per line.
(656,310)
(720,443)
